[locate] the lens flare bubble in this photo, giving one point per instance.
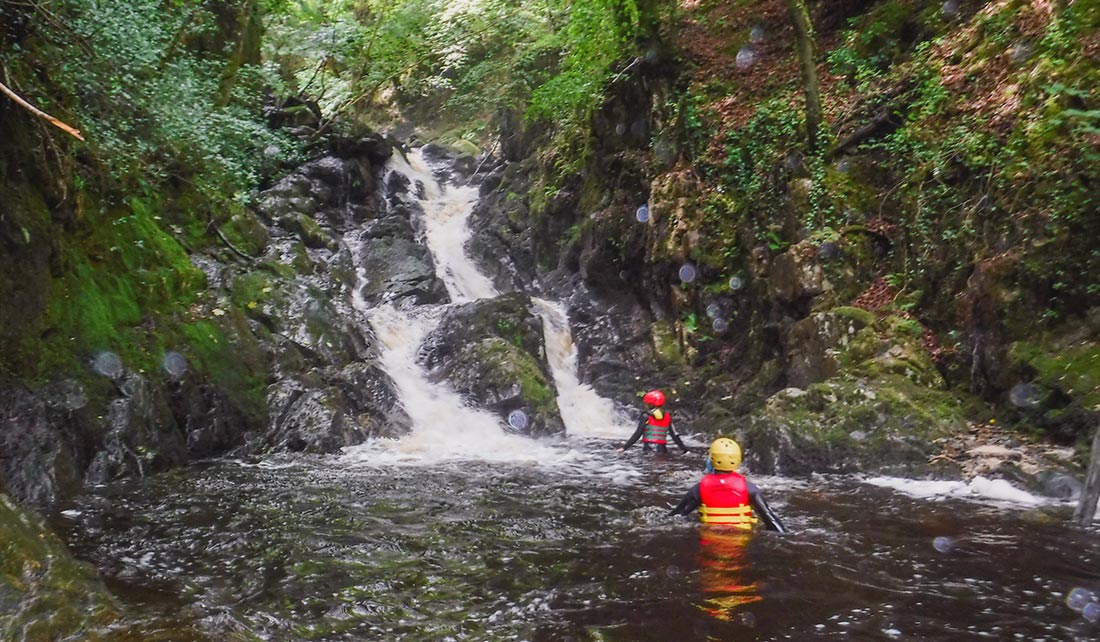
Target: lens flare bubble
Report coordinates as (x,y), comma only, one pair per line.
(174,364)
(1078,598)
(756,34)
(642,214)
(720,325)
(620,129)
(746,57)
(843,165)
(943,544)
(951,8)
(736,283)
(1025,395)
(673,571)
(713,310)
(108,365)
(1091,612)
(517,419)
(687,273)
(747,619)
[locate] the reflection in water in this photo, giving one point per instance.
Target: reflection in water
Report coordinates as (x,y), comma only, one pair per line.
(474,551)
(722,562)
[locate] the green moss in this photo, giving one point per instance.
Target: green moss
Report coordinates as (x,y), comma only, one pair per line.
(246,233)
(858,316)
(114,281)
(227,353)
(666,344)
(504,363)
(1074,369)
(45,593)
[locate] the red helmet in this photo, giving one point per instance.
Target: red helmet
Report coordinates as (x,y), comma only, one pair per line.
(654,398)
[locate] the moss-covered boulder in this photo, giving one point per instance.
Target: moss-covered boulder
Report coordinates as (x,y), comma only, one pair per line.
(45,594)
(1056,380)
(492,352)
(887,424)
(851,340)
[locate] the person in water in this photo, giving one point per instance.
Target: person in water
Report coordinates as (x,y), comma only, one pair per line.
(655,425)
(724,496)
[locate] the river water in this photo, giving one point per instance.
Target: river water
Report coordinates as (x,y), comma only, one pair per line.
(475,533)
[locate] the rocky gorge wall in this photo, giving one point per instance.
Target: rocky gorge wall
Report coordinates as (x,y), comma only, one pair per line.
(820,345)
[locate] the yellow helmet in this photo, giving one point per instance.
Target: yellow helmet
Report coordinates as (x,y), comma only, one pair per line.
(725,454)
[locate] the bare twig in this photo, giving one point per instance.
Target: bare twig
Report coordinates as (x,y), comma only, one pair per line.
(72,131)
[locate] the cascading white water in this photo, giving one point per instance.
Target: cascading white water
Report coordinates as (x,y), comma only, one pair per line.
(585,413)
(446,211)
(443,427)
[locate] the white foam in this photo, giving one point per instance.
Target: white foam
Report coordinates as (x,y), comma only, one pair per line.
(996,490)
(584,412)
(444,428)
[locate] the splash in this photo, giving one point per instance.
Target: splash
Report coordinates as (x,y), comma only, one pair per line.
(585,413)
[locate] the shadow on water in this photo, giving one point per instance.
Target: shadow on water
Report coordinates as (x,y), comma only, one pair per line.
(309,549)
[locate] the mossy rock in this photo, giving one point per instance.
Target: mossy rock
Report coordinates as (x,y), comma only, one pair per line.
(1073,369)
(887,425)
(666,343)
(46,594)
(247,233)
(308,230)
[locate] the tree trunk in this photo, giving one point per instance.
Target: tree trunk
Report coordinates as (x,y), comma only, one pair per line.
(1086,510)
(804,30)
(249,30)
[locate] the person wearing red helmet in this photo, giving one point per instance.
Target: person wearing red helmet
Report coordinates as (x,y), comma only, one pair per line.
(655,425)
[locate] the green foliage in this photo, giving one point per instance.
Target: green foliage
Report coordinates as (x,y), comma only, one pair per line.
(148,104)
(598,34)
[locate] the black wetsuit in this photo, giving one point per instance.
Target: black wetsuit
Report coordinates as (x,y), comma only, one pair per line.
(661,448)
(692,500)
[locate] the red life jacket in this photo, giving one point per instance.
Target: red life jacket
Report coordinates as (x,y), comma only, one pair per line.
(656,429)
(726,500)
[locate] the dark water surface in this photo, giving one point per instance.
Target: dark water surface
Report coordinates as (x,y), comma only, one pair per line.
(319,549)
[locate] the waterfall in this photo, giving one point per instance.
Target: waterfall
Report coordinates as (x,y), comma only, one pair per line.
(443,427)
(446,211)
(585,413)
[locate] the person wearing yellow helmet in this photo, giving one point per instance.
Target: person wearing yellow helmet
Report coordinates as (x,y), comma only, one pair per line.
(655,426)
(724,496)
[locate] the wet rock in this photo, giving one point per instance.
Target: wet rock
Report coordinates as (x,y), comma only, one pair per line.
(247,233)
(400,271)
(46,441)
(795,277)
(374,147)
(453,163)
(854,340)
(141,434)
(492,352)
(46,594)
(307,419)
(308,231)
(340,190)
(371,397)
(616,350)
(1059,485)
(894,420)
(211,422)
(503,244)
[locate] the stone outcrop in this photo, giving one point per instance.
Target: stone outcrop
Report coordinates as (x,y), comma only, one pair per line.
(491,351)
(45,594)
